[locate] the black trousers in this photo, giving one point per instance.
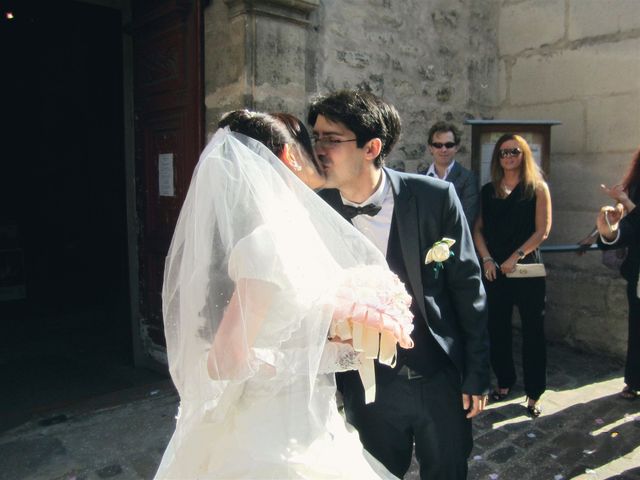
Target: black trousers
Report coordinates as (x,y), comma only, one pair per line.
(632,366)
(427,411)
(528,294)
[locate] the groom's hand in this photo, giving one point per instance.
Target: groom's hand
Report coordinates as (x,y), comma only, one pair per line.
(473,403)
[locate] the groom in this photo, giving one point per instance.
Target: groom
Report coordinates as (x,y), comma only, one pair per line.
(440,384)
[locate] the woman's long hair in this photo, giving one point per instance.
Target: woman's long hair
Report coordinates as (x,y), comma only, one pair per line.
(632,177)
(300,134)
(530,173)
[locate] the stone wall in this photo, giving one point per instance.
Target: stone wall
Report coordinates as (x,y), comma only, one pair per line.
(577,61)
(255,56)
(433,59)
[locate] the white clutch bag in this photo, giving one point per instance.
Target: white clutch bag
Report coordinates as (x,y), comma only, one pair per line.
(528,270)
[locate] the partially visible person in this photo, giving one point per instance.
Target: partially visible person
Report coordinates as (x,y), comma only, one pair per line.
(627,195)
(251,287)
(515,218)
(428,399)
(624,193)
(444,142)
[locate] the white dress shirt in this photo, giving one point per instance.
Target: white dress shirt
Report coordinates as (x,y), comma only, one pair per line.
(376,228)
(433,173)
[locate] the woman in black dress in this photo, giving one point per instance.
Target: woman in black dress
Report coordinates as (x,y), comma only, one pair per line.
(627,194)
(515,219)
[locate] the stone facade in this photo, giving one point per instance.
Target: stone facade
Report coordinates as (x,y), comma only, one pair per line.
(578,62)
(433,59)
(575,61)
(255,56)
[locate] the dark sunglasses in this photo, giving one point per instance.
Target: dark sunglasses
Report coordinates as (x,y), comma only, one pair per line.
(509,152)
(439,145)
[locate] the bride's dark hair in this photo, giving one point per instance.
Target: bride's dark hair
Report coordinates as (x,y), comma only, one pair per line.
(301,135)
(265,128)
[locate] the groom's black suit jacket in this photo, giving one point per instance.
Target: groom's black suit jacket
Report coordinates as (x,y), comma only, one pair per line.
(453,304)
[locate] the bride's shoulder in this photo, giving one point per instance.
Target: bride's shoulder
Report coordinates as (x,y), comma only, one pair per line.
(253,253)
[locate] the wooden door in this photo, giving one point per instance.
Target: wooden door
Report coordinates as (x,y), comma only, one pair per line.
(169,134)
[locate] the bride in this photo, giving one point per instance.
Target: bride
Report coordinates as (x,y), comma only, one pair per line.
(248,299)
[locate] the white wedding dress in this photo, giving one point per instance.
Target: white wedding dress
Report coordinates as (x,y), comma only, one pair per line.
(247,303)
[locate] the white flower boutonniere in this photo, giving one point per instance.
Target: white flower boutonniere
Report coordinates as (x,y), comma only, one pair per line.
(438,253)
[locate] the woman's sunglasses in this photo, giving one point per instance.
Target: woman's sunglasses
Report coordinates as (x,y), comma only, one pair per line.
(509,152)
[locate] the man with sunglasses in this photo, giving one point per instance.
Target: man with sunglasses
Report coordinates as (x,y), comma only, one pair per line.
(444,141)
(436,387)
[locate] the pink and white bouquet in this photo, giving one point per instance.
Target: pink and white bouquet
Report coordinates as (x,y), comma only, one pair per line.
(373,311)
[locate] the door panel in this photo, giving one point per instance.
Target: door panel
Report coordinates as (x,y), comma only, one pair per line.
(169,133)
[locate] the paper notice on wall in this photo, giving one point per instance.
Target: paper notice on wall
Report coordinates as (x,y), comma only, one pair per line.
(165,175)
(536,151)
(485,162)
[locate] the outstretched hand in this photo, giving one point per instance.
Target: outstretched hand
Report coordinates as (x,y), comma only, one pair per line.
(616,192)
(474,404)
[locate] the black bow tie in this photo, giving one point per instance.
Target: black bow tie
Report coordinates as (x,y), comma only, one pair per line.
(351,211)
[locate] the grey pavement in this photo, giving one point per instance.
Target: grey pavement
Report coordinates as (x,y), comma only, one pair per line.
(585,432)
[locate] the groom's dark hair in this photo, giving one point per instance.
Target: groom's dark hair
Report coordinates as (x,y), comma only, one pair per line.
(365,114)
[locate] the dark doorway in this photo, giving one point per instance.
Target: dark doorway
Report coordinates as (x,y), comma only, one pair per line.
(64,295)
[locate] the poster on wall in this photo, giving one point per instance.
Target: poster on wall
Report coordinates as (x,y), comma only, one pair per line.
(165,175)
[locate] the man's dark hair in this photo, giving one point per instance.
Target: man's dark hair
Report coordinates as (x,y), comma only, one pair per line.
(366,115)
(444,127)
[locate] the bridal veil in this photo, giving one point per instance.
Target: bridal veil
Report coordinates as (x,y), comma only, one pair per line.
(247,298)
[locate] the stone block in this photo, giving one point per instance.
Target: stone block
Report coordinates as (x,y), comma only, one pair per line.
(529,25)
(591,18)
(576,179)
(503,83)
(613,123)
(479,471)
(279,52)
(589,296)
(109,471)
(413,54)
(529,439)
(489,417)
(224,44)
(46,451)
(144,464)
(569,137)
(503,454)
(570,225)
(569,438)
(570,74)
(491,439)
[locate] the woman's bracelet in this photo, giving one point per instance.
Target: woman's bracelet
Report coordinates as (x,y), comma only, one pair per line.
(487,259)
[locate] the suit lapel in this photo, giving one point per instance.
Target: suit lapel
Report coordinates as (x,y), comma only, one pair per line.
(454,173)
(405,210)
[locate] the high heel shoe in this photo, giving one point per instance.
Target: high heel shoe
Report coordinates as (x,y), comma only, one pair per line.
(500,394)
(534,409)
(628,393)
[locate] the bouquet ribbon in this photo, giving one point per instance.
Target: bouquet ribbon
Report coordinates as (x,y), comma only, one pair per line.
(373,311)
(373,344)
